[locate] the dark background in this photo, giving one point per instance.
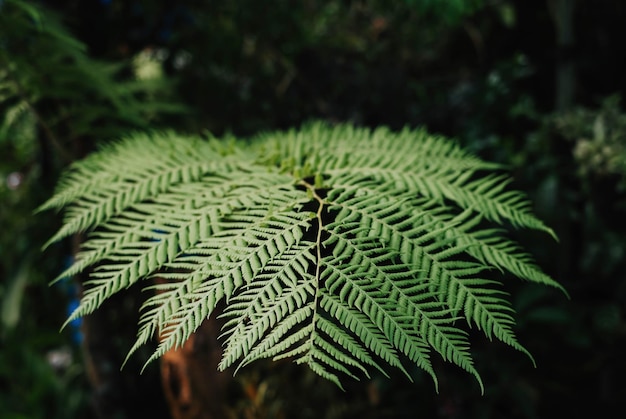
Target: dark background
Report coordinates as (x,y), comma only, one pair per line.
(531,84)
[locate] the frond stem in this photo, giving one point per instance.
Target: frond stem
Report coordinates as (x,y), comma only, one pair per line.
(318,247)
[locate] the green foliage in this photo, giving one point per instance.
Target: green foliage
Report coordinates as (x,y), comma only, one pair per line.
(46,80)
(344,248)
(36,386)
(56,102)
(53,100)
(599,135)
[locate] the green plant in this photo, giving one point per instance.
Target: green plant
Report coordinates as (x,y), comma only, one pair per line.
(599,138)
(46,80)
(344,248)
(56,102)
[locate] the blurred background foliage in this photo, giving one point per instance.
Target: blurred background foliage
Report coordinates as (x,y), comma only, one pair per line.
(535,85)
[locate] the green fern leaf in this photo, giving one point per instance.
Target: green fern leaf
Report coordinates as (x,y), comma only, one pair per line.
(342,248)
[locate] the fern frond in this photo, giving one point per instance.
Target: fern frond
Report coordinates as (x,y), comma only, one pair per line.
(286,286)
(359,290)
(112,182)
(227,261)
(345,249)
(362,326)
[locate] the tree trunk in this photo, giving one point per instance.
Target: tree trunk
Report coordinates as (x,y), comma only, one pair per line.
(193,386)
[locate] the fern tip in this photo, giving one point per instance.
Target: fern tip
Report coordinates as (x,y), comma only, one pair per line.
(67,322)
(552,234)
(47,244)
(153,357)
(480,383)
(563,290)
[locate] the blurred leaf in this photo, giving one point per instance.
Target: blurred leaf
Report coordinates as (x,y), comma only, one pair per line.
(507,14)
(12,301)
